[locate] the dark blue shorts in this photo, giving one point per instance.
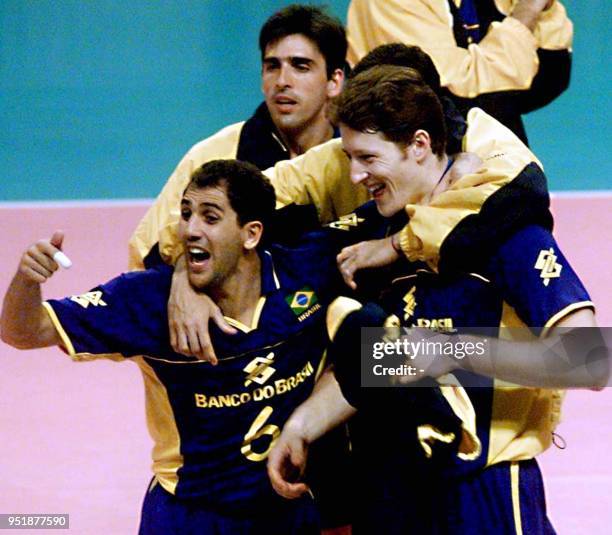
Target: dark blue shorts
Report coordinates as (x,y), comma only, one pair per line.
(164,514)
(507,498)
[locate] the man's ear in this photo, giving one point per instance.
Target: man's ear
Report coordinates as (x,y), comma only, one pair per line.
(335,83)
(251,234)
(421,145)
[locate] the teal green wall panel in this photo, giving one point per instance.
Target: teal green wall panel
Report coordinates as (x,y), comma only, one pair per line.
(100,99)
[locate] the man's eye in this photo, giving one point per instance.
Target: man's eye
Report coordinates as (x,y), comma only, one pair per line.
(185,215)
(212,219)
(302,68)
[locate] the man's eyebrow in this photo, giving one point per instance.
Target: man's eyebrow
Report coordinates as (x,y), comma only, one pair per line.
(301,59)
(212,205)
(187,202)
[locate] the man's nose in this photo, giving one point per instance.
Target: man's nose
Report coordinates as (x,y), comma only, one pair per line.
(358,172)
(194,229)
(285,77)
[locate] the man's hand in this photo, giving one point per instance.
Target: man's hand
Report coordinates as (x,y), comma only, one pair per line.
(188,315)
(424,357)
(24,324)
(528,11)
(366,254)
(287,462)
(37,263)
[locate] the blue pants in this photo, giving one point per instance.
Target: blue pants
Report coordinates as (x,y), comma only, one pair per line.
(507,498)
(164,514)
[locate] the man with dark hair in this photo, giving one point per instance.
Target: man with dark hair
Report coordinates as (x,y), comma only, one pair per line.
(410,483)
(314,24)
(381,109)
(414,57)
(212,426)
(302,53)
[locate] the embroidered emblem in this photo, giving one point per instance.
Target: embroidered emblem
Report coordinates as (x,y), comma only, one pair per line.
(411,303)
(547,264)
(259,370)
(89,298)
(301,300)
(347,221)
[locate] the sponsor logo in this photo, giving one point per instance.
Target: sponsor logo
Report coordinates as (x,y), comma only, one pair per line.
(89,298)
(547,264)
(259,370)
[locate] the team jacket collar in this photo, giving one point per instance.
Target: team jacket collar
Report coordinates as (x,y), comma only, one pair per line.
(269,279)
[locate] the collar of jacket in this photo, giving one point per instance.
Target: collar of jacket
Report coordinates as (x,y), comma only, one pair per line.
(259,141)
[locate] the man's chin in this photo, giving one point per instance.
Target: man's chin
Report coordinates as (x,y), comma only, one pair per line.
(199,282)
(385,210)
(286,121)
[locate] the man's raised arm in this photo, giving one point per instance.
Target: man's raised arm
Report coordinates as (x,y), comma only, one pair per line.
(24,322)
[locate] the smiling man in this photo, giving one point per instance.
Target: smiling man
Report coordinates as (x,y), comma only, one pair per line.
(212,426)
(392,131)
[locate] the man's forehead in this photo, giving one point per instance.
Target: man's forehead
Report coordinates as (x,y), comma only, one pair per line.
(216,195)
(350,136)
(295,45)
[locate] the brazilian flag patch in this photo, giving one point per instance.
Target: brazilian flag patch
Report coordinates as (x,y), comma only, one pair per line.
(302,300)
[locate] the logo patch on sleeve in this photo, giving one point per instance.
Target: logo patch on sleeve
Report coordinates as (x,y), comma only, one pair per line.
(347,221)
(89,298)
(411,303)
(547,264)
(303,303)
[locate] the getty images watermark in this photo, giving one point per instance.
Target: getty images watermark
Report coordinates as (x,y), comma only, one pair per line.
(397,356)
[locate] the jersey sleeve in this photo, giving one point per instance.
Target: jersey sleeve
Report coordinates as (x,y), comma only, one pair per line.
(159,225)
(122,318)
(536,279)
(505,59)
(319,177)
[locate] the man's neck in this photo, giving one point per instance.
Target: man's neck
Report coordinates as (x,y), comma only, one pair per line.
(298,142)
(436,171)
(238,295)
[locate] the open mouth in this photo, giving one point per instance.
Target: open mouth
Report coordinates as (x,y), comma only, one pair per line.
(376,190)
(197,256)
